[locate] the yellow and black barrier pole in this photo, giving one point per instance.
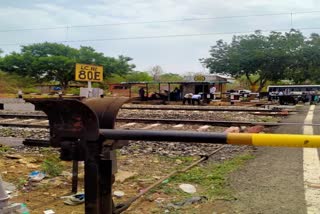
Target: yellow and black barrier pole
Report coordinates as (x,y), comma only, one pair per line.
(280,140)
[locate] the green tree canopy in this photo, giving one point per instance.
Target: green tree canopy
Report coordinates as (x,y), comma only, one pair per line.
(167,77)
(269,57)
(56,62)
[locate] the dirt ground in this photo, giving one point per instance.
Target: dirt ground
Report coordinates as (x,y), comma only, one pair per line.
(146,169)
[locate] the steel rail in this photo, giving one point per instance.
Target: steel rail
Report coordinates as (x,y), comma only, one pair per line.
(22,125)
(24,116)
(176,121)
(209,122)
(200,109)
(36,142)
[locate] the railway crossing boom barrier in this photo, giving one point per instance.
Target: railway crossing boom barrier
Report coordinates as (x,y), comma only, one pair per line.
(84,130)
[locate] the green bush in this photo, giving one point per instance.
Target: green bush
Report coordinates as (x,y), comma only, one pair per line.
(52,165)
(75,91)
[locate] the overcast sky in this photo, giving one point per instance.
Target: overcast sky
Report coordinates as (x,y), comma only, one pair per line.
(173,54)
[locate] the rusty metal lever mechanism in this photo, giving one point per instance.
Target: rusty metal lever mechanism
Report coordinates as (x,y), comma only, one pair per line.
(74,127)
(85,132)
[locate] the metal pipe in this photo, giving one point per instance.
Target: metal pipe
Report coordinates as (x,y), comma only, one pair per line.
(173,136)
(283,140)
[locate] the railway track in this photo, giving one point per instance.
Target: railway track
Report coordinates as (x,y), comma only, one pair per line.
(187,108)
(32,123)
(40,120)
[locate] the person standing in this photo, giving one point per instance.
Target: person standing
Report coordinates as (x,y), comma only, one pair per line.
(177,93)
(212,92)
(141,93)
(20,94)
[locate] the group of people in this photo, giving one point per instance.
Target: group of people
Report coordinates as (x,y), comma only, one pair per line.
(191,98)
(175,95)
(196,98)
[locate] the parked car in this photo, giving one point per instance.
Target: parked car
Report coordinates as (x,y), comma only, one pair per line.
(244,91)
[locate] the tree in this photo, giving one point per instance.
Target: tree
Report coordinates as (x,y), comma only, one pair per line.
(244,56)
(256,56)
(306,68)
(156,72)
(137,76)
(170,77)
(56,62)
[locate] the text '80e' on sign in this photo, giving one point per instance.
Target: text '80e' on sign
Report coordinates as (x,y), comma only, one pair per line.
(93,73)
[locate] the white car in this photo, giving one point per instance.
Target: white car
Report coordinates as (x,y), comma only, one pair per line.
(244,91)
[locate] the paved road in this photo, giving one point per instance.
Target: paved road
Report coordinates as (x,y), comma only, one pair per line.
(274,181)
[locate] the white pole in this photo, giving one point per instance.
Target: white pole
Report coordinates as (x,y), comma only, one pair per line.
(89,89)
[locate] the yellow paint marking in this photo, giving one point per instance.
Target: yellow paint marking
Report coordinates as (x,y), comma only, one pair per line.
(289,140)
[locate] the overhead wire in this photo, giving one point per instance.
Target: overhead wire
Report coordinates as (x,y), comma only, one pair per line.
(159,36)
(159,21)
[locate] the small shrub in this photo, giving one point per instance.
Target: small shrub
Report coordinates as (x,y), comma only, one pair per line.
(21,183)
(75,91)
(52,165)
(4,148)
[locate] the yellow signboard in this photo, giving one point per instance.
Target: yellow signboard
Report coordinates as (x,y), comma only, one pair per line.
(199,78)
(92,73)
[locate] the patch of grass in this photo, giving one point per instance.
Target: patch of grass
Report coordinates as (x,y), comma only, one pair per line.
(185,159)
(21,182)
(75,91)
(211,179)
(4,148)
(45,150)
(52,165)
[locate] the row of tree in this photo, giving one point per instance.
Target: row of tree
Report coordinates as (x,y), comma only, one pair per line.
(261,58)
(46,62)
(56,62)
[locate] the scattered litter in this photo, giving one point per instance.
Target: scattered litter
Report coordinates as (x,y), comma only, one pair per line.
(24,209)
(48,212)
(118,194)
(188,201)
(11,208)
(159,200)
(37,176)
(165,181)
(188,188)
(74,199)
(178,161)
